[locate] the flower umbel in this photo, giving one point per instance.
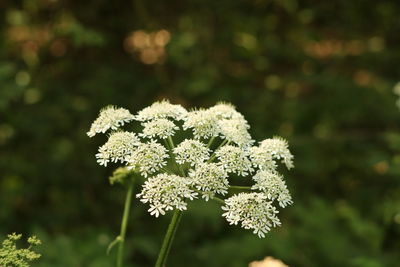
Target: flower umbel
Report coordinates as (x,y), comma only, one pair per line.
(274,187)
(234,160)
(217,149)
(161,128)
(162,110)
(119,146)
(148,158)
(192,152)
(110,118)
(165,192)
(262,158)
(278,148)
(253,211)
(225,111)
(235,130)
(210,179)
(203,122)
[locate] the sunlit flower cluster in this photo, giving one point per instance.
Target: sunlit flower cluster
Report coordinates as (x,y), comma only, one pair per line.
(192,152)
(234,160)
(161,128)
(203,123)
(274,187)
(225,111)
(148,158)
(235,130)
(119,146)
(166,192)
(252,211)
(110,118)
(162,110)
(278,148)
(262,159)
(209,179)
(218,148)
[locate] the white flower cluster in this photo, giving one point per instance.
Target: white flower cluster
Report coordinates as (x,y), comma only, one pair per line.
(110,118)
(278,148)
(192,152)
(234,160)
(225,111)
(148,158)
(235,130)
(274,187)
(253,211)
(161,128)
(220,146)
(119,147)
(162,110)
(166,192)
(221,120)
(203,123)
(210,179)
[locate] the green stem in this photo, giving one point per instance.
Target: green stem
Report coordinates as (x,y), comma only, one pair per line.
(171,143)
(211,141)
(124,224)
(169,237)
(171,147)
(240,187)
(221,201)
(222,144)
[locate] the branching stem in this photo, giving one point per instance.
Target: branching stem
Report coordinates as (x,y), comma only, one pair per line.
(171,147)
(225,142)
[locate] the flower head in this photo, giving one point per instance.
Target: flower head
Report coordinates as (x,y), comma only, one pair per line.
(261,158)
(274,187)
(278,148)
(162,110)
(148,158)
(161,128)
(206,169)
(253,211)
(203,122)
(234,160)
(166,192)
(210,179)
(225,111)
(11,255)
(119,146)
(110,117)
(192,152)
(268,262)
(235,130)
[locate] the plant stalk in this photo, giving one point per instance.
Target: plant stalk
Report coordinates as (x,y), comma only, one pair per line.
(169,237)
(171,146)
(124,224)
(240,187)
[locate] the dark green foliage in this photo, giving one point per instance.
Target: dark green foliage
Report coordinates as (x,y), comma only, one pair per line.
(319,73)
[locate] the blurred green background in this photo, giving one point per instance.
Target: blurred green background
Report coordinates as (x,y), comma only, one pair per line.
(319,73)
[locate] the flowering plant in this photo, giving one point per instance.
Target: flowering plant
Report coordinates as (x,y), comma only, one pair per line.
(11,256)
(219,147)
